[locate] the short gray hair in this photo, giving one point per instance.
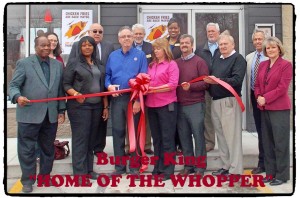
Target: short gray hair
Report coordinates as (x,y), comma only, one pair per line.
(256,30)
(226,34)
(213,24)
(138,26)
(187,36)
(124,28)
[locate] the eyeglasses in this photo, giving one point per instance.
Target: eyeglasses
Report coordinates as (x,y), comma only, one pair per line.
(126,36)
(99,31)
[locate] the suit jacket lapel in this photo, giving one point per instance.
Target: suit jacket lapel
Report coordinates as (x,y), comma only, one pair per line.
(39,71)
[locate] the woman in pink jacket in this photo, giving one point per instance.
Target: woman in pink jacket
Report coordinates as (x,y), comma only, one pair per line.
(162,106)
(271,91)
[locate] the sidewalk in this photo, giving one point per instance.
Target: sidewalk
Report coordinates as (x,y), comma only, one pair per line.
(63,167)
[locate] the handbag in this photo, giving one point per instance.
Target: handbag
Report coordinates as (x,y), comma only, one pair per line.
(61,152)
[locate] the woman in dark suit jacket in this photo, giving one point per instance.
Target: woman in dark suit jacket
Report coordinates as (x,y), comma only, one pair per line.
(173,38)
(85,75)
(271,91)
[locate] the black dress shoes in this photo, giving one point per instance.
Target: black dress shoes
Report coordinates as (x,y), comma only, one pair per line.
(186,172)
(258,170)
(221,171)
(94,175)
(276,182)
(149,152)
(267,179)
(27,188)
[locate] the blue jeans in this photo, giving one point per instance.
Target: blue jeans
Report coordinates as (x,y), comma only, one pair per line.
(191,122)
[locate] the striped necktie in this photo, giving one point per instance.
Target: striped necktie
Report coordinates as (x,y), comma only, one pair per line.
(256,67)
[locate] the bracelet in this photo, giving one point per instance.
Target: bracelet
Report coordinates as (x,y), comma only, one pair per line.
(106,107)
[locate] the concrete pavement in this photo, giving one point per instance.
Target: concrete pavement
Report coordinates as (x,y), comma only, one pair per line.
(62,167)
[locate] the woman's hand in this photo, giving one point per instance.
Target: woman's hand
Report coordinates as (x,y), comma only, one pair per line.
(261,101)
(105,114)
(136,107)
(80,100)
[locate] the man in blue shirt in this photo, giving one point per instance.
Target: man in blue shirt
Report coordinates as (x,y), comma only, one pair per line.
(123,64)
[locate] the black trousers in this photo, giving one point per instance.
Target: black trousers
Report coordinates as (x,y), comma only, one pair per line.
(100,138)
(257,121)
(162,122)
(276,138)
(28,135)
(84,126)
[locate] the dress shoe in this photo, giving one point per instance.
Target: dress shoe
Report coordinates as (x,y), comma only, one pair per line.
(186,172)
(258,170)
(221,171)
(122,173)
(166,177)
(94,175)
(27,188)
(198,172)
(149,152)
(276,182)
(267,179)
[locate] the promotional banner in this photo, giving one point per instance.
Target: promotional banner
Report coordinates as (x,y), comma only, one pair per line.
(75,24)
(156,26)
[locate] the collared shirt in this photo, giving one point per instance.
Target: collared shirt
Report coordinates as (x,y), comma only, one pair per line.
(139,46)
(233,51)
(261,58)
(161,74)
(188,56)
(120,67)
(45,65)
(212,47)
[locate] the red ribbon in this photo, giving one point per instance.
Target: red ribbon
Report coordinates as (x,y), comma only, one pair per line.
(225,85)
(139,87)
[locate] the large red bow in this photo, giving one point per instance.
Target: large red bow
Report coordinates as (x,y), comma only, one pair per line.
(139,86)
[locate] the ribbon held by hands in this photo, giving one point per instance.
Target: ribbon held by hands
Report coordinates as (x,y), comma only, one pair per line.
(225,85)
(139,87)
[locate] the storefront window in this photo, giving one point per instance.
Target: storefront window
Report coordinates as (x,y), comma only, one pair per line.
(48,18)
(16,34)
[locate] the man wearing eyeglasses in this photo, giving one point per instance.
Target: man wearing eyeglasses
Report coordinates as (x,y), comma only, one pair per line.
(104,48)
(123,64)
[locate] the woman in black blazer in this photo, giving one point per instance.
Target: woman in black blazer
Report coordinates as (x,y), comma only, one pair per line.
(85,75)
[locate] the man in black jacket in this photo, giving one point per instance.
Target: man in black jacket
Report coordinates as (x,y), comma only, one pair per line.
(209,52)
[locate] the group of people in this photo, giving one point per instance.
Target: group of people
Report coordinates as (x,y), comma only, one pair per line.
(178,112)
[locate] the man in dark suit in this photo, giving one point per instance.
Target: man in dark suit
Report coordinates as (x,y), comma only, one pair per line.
(104,48)
(37,77)
(139,43)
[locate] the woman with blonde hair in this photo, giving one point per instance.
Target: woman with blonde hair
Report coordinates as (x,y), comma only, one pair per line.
(271,91)
(162,105)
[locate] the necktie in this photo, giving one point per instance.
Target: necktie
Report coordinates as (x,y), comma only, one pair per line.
(46,70)
(256,67)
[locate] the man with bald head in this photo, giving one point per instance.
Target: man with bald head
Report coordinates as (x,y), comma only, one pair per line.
(104,48)
(225,112)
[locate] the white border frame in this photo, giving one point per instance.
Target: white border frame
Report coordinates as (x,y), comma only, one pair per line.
(266,26)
